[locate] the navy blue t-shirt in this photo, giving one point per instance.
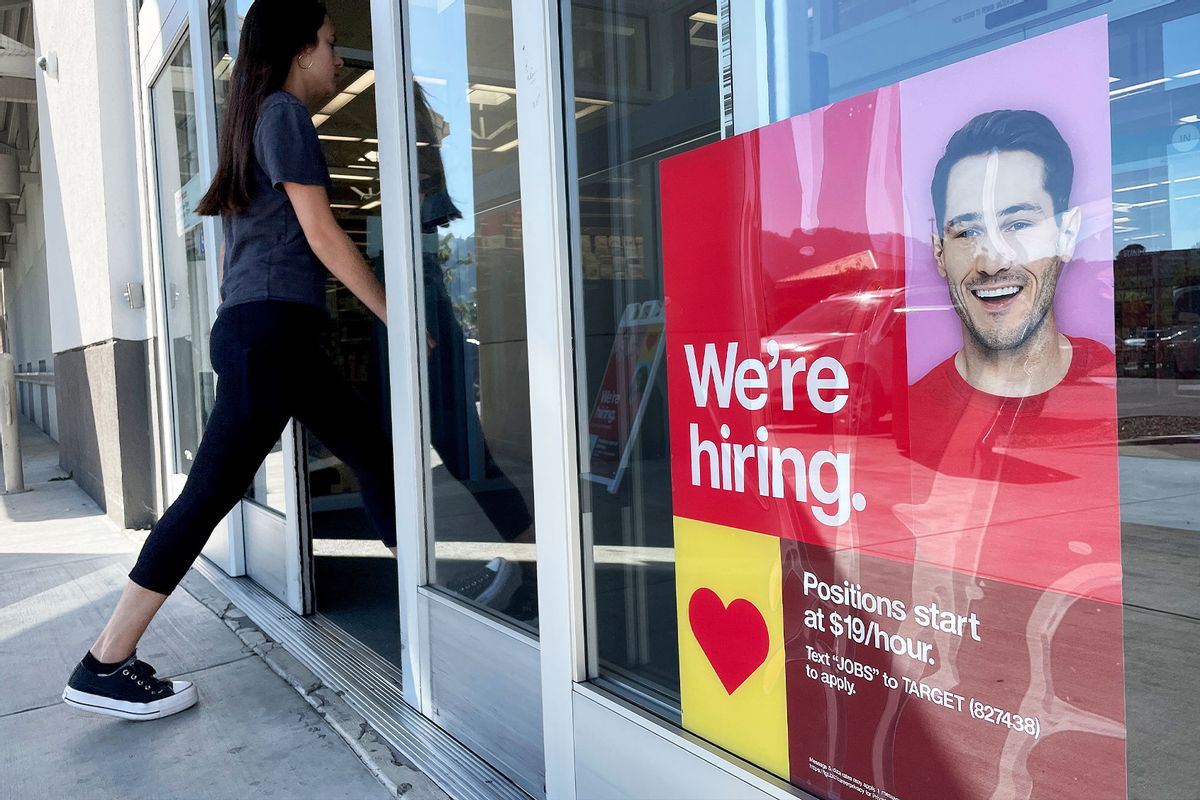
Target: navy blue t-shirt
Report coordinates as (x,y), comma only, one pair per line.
(267,256)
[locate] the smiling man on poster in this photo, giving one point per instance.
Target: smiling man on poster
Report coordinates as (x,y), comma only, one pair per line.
(1001,194)
(1010,411)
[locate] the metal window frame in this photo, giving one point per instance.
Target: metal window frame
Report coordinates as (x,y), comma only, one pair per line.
(546,238)
(401,219)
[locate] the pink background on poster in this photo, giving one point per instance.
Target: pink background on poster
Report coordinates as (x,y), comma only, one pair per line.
(1062,75)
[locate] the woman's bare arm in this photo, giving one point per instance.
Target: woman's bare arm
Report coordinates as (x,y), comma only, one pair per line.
(331,244)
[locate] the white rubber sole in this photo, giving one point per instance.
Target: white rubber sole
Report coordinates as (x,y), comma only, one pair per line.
(501,589)
(185,697)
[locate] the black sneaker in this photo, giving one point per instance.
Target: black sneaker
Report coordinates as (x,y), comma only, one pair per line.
(130,692)
(524,607)
(491,585)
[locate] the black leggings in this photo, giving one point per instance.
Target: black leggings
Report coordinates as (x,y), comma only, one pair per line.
(453,415)
(271,366)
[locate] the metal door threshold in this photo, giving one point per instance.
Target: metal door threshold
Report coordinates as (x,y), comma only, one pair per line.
(371,685)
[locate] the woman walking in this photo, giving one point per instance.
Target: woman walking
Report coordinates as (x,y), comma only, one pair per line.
(281,240)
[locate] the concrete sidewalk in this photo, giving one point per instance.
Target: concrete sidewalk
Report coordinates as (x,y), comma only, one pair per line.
(63,564)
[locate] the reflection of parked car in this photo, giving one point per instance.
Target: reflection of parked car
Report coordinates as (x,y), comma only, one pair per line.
(857,329)
(1180,344)
(1167,352)
(1136,354)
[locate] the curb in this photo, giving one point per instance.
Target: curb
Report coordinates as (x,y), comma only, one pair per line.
(388,766)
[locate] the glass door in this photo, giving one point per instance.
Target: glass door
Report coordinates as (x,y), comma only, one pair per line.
(185,274)
(266,527)
(478,603)
(186,252)
(316,537)
(354,574)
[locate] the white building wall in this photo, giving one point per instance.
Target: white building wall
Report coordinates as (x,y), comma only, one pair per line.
(120,137)
(88,146)
(94,219)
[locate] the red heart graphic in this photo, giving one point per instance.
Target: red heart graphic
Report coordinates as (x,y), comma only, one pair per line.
(734,638)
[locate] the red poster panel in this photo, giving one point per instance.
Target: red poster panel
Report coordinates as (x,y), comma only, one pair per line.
(893,446)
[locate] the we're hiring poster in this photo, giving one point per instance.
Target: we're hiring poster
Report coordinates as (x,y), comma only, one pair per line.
(889,333)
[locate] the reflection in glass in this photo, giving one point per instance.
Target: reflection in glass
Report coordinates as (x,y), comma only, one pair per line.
(635,105)
(1156,238)
(627,115)
(473,282)
(354,574)
(193,390)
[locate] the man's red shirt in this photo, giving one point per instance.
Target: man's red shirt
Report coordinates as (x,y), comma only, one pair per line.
(1023,489)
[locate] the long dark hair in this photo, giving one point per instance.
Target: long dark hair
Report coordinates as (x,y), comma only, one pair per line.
(438,209)
(273,32)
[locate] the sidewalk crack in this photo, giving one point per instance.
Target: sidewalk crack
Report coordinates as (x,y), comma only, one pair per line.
(198,670)
(33,708)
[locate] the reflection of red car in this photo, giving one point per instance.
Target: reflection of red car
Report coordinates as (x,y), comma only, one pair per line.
(859,330)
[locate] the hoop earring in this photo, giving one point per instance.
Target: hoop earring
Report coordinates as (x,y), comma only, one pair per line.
(302,64)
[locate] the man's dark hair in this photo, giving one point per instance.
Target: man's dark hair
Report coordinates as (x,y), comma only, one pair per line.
(1005,131)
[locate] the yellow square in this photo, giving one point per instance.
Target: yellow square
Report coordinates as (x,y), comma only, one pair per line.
(731,653)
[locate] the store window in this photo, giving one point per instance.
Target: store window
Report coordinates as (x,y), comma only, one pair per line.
(185,275)
(646,88)
(473,283)
(1012,577)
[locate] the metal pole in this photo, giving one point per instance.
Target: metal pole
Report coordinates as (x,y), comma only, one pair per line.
(10,437)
